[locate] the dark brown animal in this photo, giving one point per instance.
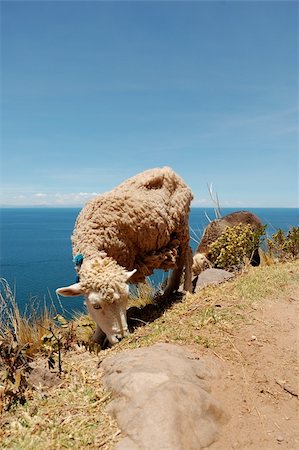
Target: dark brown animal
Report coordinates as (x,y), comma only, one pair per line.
(215,229)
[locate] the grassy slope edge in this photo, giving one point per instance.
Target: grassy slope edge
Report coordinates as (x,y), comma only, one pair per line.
(69,412)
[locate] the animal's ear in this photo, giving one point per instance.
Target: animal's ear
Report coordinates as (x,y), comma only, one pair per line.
(130,274)
(70,291)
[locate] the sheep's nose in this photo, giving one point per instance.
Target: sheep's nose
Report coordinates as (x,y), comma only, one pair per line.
(120,336)
(113,339)
(116,337)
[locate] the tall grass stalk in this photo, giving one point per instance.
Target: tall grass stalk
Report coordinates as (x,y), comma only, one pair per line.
(25,329)
(143,294)
(215,202)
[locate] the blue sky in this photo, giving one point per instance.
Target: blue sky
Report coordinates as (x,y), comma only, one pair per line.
(95,92)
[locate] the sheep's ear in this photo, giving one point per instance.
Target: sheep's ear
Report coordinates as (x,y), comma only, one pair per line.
(70,291)
(130,274)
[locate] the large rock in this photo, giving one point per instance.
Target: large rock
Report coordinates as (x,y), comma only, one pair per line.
(211,276)
(161,399)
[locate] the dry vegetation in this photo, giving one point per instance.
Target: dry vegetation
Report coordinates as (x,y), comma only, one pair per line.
(47,406)
(66,411)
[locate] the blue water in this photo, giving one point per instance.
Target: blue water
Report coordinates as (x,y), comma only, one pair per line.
(36,255)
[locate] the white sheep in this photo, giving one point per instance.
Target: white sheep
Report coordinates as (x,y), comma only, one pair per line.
(123,235)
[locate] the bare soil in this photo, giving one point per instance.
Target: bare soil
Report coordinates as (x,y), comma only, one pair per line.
(256,378)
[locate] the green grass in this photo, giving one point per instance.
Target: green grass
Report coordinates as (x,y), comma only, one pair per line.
(266,281)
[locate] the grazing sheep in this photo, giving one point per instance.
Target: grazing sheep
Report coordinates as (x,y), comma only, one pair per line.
(215,229)
(122,236)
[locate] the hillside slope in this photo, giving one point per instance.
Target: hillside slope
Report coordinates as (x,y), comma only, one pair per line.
(246,330)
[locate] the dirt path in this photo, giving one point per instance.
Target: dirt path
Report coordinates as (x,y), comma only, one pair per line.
(257,379)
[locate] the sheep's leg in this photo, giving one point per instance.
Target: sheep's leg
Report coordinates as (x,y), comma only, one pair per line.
(173,284)
(256,260)
(188,270)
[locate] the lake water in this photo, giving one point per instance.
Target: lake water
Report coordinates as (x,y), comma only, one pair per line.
(36,255)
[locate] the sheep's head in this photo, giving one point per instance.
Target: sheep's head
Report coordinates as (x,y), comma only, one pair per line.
(104,285)
(200,263)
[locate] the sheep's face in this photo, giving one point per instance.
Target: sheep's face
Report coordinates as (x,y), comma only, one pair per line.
(110,316)
(200,263)
(106,305)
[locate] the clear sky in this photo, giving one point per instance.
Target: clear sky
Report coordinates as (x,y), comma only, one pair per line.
(94,92)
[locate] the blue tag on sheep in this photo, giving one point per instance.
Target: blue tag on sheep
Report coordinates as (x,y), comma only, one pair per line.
(78,259)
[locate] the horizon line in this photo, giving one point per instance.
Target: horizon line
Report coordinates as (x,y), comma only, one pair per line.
(192,207)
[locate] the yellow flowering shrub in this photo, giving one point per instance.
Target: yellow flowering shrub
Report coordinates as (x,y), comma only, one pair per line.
(234,246)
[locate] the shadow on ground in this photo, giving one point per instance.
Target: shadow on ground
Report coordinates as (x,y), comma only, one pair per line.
(138,317)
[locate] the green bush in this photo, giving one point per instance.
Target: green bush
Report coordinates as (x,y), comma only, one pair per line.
(235,246)
(284,247)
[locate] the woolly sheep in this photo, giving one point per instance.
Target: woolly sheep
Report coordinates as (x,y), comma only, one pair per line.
(214,230)
(123,235)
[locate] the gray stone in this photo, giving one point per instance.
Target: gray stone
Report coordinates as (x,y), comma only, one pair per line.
(212,276)
(161,400)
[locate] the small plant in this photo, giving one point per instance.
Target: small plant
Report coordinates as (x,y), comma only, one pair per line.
(15,354)
(13,376)
(284,247)
(236,245)
(59,336)
(22,337)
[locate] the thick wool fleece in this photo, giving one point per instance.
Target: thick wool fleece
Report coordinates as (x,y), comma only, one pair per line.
(142,224)
(103,275)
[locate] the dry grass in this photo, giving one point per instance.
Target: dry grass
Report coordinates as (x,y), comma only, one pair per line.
(142,294)
(67,412)
(266,281)
(25,329)
(72,414)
